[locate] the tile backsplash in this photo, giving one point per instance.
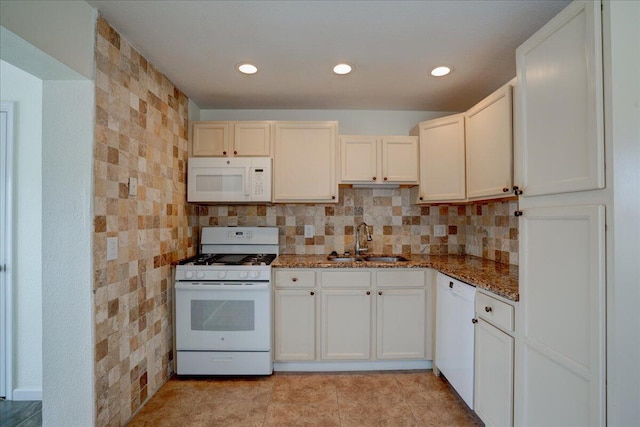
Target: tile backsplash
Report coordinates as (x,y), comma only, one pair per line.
(484,229)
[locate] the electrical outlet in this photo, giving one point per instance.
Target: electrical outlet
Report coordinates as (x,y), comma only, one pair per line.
(133,186)
(309,231)
(439,230)
(112,248)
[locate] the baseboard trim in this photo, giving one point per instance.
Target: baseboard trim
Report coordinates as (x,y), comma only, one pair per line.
(376,365)
(27,394)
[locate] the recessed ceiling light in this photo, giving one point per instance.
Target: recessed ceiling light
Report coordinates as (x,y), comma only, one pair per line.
(247,68)
(342,69)
(441,71)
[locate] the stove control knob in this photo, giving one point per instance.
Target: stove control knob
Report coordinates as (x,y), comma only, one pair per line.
(244,274)
(200,274)
(188,274)
(222,274)
(254,274)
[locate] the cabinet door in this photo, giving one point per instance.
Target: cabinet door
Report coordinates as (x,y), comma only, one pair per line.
(400,159)
(295,312)
(400,323)
(489,146)
(346,324)
(560,103)
(305,162)
(561,317)
(359,159)
(210,139)
(442,174)
(252,139)
(493,375)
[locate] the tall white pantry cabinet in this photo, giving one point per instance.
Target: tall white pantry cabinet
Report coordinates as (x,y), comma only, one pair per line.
(560,352)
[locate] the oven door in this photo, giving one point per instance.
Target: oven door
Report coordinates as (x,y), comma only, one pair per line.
(222,316)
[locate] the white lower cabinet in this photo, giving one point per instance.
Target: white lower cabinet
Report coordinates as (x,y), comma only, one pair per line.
(400,323)
(494,358)
(295,324)
(346,324)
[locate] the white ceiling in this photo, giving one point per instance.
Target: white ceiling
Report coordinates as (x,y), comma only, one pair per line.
(392,44)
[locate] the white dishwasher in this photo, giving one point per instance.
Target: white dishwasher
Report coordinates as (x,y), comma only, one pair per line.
(455,334)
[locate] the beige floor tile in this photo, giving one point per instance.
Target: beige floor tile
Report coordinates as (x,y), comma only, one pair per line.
(381,414)
(304,389)
(287,414)
(368,388)
(453,413)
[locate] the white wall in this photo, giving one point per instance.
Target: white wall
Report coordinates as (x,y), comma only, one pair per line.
(68,122)
(624,291)
(25,91)
(352,122)
(62,29)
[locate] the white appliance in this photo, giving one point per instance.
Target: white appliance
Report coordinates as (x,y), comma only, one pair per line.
(223,303)
(229,179)
(455,320)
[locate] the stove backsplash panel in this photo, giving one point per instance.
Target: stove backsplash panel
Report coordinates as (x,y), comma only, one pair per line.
(485,229)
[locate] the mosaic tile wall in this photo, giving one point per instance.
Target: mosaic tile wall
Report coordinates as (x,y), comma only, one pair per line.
(488,229)
(141,132)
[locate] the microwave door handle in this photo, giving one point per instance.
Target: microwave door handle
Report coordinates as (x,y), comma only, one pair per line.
(247,181)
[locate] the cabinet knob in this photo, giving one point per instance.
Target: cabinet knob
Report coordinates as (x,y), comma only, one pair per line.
(516,190)
(374,178)
(379,292)
(505,190)
(333,197)
(312,293)
(488,309)
(474,320)
(385,178)
(224,153)
(294,279)
(368,292)
(450,285)
(421,198)
(235,152)
(517,213)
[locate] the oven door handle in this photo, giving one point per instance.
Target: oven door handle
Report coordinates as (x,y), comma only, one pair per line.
(222,286)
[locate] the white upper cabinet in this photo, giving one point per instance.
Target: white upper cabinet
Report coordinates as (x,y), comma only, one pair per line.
(489,146)
(442,159)
(560,104)
(375,159)
(305,162)
(230,139)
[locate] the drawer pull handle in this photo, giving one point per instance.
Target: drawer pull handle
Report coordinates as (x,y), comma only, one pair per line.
(474,320)
(312,293)
(488,309)
(294,279)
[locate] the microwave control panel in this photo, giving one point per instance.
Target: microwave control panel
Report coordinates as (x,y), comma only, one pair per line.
(258,182)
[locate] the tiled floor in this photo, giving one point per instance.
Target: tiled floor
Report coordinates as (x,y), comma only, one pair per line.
(20,413)
(415,398)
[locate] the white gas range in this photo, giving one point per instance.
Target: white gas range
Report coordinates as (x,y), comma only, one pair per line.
(223,303)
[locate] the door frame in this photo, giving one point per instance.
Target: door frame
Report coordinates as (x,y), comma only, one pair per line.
(6,250)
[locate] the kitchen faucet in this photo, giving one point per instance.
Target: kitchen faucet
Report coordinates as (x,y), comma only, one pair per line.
(368,234)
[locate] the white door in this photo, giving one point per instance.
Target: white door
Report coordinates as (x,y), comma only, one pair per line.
(400,159)
(6,145)
(400,323)
(346,324)
(560,103)
(561,352)
(295,324)
(359,158)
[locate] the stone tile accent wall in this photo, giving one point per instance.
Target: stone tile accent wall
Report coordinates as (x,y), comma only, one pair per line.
(141,132)
(486,230)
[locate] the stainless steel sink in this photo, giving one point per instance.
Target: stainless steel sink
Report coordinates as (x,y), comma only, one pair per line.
(343,259)
(385,259)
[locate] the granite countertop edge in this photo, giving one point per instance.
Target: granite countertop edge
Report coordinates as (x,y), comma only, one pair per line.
(498,278)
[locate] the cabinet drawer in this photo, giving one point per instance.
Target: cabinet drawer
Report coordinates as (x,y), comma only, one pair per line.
(495,311)
(345,279)
(291,278)
(397,278)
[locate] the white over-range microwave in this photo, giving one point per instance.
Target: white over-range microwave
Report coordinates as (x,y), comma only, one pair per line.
(229,179)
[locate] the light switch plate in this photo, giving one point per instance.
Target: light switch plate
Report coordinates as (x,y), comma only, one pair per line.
(112,248)
(133,186)
(439,230)
(309,231)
